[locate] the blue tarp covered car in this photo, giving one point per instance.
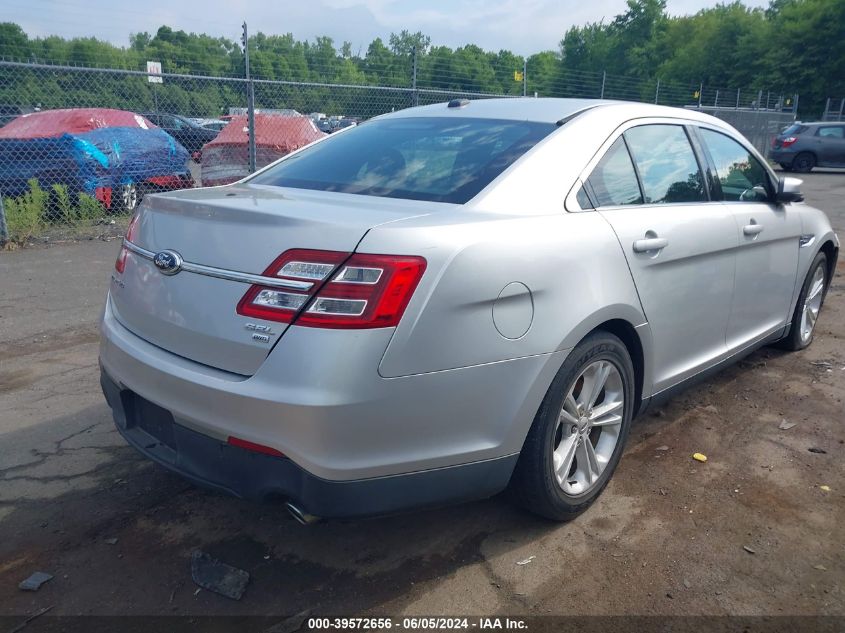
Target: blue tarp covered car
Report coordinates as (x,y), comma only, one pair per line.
(100,152)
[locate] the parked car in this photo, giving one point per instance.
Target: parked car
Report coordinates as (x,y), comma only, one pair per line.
(188,133)
(452,299)
(345,123)
(215,125)
(226,158)
(802,146)
(114,155)
(325,126)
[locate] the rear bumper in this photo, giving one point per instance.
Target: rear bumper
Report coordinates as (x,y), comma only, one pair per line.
(784,156)
(214,464)
(348,433)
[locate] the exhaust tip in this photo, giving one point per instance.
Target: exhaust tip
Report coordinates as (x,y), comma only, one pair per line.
(300,515)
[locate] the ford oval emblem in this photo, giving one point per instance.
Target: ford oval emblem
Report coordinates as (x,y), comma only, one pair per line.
(168,262)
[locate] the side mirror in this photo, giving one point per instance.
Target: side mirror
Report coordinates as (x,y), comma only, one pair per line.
(789,190)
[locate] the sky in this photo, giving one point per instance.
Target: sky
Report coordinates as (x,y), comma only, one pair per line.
(522,26)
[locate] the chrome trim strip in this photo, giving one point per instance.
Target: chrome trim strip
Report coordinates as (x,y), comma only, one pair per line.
(805,240)
(228,275)
(143,252)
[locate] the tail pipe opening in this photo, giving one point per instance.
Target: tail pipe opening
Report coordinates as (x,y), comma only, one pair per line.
(300,515)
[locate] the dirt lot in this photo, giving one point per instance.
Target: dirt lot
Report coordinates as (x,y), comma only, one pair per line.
(667,537)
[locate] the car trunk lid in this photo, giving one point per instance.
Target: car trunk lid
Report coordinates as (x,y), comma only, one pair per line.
(236,229)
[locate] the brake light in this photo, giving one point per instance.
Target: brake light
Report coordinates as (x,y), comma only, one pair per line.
(789,140)
(348,291)
(120,263)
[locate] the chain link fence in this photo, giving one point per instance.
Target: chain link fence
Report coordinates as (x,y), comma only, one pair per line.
(72,163)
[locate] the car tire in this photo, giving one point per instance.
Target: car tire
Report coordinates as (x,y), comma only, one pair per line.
(785,166)
(808,306)
(803,162)
(544,482)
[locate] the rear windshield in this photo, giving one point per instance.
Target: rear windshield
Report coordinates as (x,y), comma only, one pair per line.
(438,159)
(795,128)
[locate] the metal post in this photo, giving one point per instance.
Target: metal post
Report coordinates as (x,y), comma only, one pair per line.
(826,109)
(716,100)
(700,93)
(795,107)
(4,230)
(525,78)
(250,102)
(657,92)
(603,77)
(768,95)
(415,97)
(759,98)
(737,98)
(841,110)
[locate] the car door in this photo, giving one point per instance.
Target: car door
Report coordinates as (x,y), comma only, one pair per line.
(767,233)
(680,248)
(830,140)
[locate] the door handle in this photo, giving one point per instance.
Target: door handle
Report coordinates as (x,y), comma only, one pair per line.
(650,244)
(753,228)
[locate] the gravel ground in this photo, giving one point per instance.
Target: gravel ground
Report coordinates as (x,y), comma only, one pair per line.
(750,532)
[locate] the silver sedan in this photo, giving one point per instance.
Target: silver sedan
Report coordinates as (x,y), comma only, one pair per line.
(450,300)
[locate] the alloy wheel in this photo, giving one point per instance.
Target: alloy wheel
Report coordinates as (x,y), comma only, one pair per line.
(812,304)
(588,428)
(804,162)
(129,197)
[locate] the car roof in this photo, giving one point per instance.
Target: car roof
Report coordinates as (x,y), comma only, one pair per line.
(550,110)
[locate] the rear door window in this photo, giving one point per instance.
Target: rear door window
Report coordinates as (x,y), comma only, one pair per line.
(741,176)
(614,181)
(832,131)
(667,166)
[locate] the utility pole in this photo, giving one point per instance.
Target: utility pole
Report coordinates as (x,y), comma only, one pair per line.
(250,101)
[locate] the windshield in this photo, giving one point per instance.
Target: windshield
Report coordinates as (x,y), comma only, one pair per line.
(437,159)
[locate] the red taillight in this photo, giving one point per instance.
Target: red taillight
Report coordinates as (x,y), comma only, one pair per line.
(357,291)
(120,263)
(789,140)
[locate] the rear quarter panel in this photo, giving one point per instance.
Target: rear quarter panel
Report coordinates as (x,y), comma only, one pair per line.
(564,273)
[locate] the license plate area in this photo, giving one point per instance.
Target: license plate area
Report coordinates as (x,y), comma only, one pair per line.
(155,421)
